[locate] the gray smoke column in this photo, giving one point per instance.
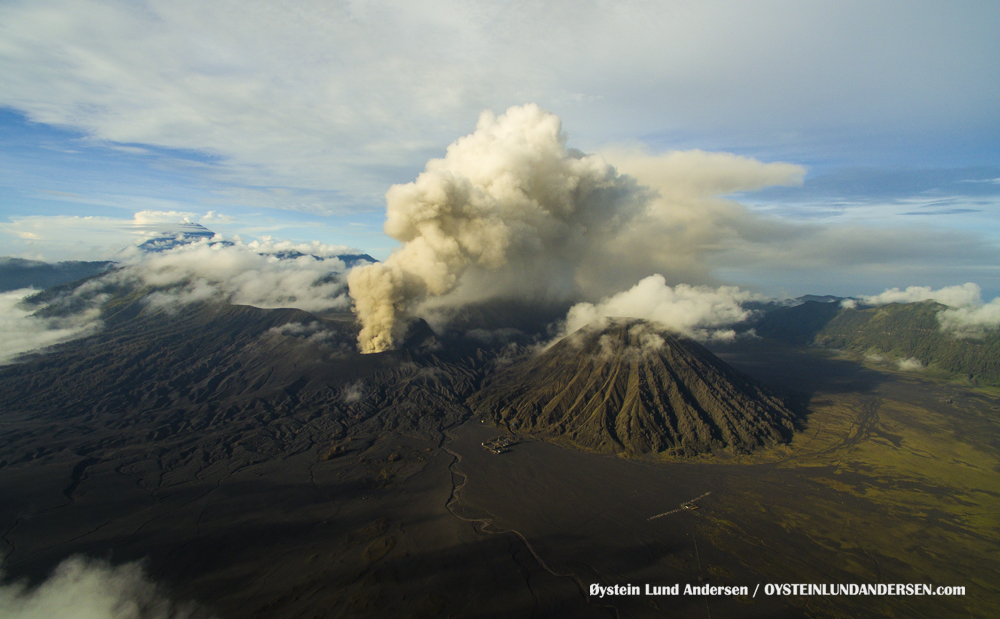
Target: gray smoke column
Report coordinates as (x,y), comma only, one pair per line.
(507,196)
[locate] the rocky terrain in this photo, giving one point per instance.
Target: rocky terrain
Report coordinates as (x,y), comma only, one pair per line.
(632,388)
(258,466)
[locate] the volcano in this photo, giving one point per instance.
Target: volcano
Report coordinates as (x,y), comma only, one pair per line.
(256,464)
(631,387)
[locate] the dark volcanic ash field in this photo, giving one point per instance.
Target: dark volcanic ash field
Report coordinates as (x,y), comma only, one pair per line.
(261,468)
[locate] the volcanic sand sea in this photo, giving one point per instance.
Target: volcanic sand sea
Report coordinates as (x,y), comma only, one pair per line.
(893,479)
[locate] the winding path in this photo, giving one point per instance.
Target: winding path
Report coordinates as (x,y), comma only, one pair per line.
(485,525)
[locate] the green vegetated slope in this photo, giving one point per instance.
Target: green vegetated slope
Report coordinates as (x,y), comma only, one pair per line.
(897,330)
(632,388)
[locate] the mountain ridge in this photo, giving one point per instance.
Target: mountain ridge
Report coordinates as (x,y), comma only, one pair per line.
(895,330)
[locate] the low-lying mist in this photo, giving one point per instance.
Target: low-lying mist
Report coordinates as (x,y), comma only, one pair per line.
(89,589)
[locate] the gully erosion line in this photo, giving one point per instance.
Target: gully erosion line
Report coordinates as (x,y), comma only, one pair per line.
(486,522)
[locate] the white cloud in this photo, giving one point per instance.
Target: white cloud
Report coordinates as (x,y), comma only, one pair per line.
(696,311)
(972,321)
(82,589)
(267,273)
(966,316)
(79,238)
(348,96)
(61,237)
(145,218)
(354,392)
(314,332)
(269,245)
(244,274)
(56,238)
(21,331)
(953,296)
(213,217)
(909,364)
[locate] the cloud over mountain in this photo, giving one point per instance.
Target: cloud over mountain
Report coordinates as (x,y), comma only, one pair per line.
(972,321)
(699,312)
(262,274)
(967,316)
(265,274)
(953,296)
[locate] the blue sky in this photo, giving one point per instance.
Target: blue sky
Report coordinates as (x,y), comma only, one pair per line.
(264,118)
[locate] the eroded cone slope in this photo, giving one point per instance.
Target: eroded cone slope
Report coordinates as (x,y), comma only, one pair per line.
(635,388)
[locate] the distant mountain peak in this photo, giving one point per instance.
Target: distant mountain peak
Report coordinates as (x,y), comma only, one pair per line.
(165,237)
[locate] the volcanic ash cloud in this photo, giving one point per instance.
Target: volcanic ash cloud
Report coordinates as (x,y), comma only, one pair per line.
(506,196)
(511,212)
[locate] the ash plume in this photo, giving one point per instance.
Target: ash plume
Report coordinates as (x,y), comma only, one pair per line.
(512,212)
(510,197)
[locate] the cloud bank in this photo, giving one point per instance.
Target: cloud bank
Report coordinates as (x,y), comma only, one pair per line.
(510,211)
(83,589)
(333,94)
(76,237)
(266,274)
(21,331)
